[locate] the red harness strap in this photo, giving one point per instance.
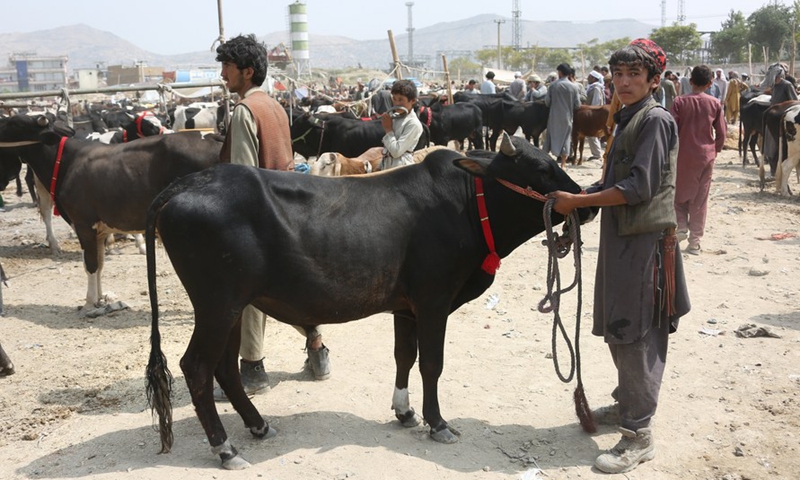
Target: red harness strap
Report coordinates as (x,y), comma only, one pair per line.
(429,115)
(492,261)
(55,175)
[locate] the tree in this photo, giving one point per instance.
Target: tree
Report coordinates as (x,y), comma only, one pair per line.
(463,66)
(678,41)
(730,43)
(598,53)
(557,56)
(771,29)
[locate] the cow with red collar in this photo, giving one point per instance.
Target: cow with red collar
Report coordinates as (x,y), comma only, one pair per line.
(143,124)
(102,189)
(418,241)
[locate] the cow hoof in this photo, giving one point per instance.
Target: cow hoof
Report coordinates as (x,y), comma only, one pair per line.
(445,435)
(408,419)
(264,433)
(235,463)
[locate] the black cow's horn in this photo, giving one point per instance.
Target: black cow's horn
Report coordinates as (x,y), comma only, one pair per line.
(506,146)
(42,121)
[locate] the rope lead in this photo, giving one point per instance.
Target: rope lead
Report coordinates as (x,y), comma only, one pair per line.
(559,248)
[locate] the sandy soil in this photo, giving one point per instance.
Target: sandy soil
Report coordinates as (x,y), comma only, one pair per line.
(729,407)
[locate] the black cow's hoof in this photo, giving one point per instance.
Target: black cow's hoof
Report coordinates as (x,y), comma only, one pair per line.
(264,432)
(408,419)
(235,463)
(445,434)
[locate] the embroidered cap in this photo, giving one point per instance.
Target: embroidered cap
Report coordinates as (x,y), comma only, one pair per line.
(652,50)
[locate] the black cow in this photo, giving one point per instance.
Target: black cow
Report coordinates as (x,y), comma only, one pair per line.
(534,119)
(495,108)
(453,122)
(315,133)
(773,119)
(85,125)
(751,124)
(407,241)
(102,189)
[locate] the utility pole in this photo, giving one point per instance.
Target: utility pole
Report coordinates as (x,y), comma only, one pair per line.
(221,38)
(410,31)
(499,22)
(516,26)
(681,12)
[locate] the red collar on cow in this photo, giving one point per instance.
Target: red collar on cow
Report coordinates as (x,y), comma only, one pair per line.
(55,175)
(138,121)
(124,136)
(429,115)
(492,261)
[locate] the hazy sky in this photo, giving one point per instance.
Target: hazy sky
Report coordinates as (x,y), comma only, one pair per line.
(180,26)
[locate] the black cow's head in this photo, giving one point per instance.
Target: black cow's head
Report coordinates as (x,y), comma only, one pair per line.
(520,163)
(35,129)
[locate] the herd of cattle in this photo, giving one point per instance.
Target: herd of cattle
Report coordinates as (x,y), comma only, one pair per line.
(409,241)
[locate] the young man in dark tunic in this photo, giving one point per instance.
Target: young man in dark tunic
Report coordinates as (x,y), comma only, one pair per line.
(640,291)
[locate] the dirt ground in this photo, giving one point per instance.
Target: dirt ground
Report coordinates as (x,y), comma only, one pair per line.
(729,406)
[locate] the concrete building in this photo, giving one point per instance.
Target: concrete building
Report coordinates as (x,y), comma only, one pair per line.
(26,72)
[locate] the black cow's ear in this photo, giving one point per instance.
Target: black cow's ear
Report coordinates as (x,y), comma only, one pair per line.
(474,166)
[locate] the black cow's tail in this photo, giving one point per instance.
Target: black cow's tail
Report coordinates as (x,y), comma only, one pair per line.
(159,378)
(740,135)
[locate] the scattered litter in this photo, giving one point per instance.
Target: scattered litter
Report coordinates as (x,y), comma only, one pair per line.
(778,236)
(710,332)
(754,272)
(711,321)
(795,377)
(532,474)
(750,330)
(106,309)
(737,451)
(492,301)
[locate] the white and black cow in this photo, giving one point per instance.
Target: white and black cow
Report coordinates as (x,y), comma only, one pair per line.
(102,189)
(408,241)
(200,116)
(790,128)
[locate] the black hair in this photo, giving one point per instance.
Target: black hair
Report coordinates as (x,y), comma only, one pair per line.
(633,57)
(701,76)
(564,68)
(245,51)
(472,82)
(405,88)
(490,74)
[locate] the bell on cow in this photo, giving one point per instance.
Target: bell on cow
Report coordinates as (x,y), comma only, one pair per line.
(42,121)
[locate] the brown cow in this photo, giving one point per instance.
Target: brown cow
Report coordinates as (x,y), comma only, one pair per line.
(588,121)
(333,164)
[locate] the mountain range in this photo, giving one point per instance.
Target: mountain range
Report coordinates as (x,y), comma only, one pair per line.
(87,46)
